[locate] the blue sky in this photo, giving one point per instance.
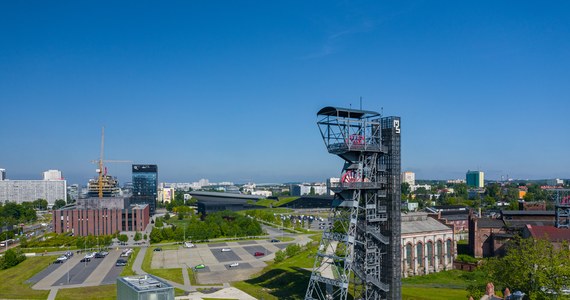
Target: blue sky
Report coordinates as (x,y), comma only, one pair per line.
(229,90)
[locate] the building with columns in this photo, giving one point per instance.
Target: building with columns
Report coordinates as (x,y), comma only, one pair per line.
(428,245)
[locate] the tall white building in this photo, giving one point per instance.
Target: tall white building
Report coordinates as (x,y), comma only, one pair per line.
(409,177)
(330,183)
(52,175)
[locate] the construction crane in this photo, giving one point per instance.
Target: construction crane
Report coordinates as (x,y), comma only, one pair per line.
(100,162)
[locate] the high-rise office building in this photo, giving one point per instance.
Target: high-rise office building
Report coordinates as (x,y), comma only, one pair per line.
(475,179)
(145,186)
(2,174)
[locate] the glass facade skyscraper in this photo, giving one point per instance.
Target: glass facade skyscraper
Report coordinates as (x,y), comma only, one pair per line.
(145,186)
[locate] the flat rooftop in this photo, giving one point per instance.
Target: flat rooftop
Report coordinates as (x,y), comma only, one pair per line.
(145,283)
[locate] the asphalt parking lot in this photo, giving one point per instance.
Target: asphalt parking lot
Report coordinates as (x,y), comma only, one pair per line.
(225,256)
(98,271)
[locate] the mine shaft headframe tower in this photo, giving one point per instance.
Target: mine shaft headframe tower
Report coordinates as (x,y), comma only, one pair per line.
(360,253)
(561,198)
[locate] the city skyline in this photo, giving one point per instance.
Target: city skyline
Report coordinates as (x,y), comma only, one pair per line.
(231,93)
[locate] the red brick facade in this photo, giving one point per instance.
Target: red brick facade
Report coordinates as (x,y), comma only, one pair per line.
(105,221)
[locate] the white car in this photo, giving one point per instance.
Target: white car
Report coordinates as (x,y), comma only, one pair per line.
(90,255)
(189,245)
(233,265)
(226,249)
(62,258)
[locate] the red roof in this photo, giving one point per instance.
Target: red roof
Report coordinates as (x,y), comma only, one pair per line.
(549,232)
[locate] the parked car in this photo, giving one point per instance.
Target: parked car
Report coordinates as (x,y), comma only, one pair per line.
(68,254)
(226,249)
(85,259)
(58,261)
(121,262)
(200,266)
(189,245)
(90,255)
(99,255)
(157,249)
(258,254)
(62,258)
(233,265)
(275,241)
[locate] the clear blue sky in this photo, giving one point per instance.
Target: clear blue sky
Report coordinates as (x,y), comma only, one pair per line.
(229,90)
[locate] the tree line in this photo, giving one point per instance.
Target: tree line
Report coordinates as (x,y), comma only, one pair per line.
(214,225)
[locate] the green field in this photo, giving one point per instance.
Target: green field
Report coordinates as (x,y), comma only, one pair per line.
(13,286)
(285,280)
(88,293)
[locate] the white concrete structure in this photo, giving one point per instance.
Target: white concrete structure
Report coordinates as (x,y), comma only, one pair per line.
(330,182)
(165,194)
(262,193)
(414,187)
(428,246)
(554,182)
(409,178)
(52,175)
(31,190)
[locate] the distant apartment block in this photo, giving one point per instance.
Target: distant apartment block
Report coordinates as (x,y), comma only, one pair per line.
(262,193)
(554,182)
(166,194)
(409,178)
(475,179)
(52,175)
(2,174)
(330,183)
(308,189)
(19,191)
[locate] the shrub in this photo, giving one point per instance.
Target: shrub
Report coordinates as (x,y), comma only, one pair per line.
(11,258)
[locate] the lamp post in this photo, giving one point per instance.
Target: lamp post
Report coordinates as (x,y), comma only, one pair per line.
(67,267)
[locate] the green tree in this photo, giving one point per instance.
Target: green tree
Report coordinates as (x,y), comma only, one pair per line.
(461,190)
(138,236)
(155,235)
(536,267)
(123,238)
(167,216)
(40,204)
(280,256)
(11,258)
(59,203)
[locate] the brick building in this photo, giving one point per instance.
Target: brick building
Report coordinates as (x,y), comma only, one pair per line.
(101,216)
(488,236)
(428,245)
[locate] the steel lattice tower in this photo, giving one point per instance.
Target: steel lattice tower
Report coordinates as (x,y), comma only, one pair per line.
(360,253)
(561,199)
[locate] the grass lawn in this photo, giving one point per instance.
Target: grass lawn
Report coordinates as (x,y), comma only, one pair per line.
(13,286)
(420,293)
(285,280)
(443,285)
(86,293)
